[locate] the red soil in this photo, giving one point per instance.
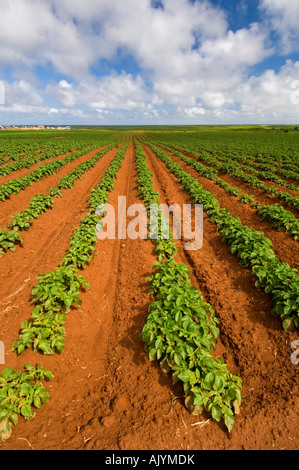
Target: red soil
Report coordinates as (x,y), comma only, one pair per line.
(285,246)
(106,394)
(26,171)
(18,202)
(261,196)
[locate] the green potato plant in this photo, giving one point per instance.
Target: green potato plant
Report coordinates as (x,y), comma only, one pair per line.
(53,296)
(181,329)
(20,394)
(8,240)
(57,291)
(251,247)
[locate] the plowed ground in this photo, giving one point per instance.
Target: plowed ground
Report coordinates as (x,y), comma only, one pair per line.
(106,394)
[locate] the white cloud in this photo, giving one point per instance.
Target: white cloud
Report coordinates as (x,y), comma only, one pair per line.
(284,19)
(270,95)
(112,92)
(30,34)
(213,100)
(246,47)
(72,36)
(193,112)
(63,84)
(188,60)
(53,111)
(22,94)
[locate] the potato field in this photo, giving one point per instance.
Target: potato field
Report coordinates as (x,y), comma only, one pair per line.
(135,343)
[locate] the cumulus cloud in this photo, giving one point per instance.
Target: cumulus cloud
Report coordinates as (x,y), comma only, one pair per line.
(284,20)
(270,95)
(187,61)
(22,92)
(113,92)
(31,34)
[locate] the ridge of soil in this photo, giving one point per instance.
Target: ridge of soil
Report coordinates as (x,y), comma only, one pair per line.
(106,394)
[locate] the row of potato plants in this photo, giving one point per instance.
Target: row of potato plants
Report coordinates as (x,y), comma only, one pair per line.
(267,174)
(20,393)
(12,145)
(39,204)
(16,185)
(264,163)
(289,171)
(34,146)
(266,171)
(58,290)
(32,160)
(29,157)
(271,149)
(53,296)
(12,155)
(21,145)
(230,167)
(181,328)
(279,218)
(51,148)
(251,247)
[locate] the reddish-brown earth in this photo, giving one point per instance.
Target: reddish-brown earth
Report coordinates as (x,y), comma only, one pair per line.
(26,171)
(18,202)
(106,394)
(259,194)
(285,246)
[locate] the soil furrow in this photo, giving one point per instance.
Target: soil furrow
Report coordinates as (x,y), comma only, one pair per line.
(262,196)
(259,348)
(45,245)
(18,202)
(285,246)
(106,394)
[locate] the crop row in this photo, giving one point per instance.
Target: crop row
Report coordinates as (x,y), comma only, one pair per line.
(29,162)
(181,328)
(59,149)
(279,218)
(264,175)
(11,237)
(251,247)
(53,296)
(229,168)
(57,291)
(269,147)
(265,172)
(43,171)
(289,171)
(22,146)
(228,165)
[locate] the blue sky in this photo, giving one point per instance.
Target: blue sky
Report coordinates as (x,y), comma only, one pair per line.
(100,62)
